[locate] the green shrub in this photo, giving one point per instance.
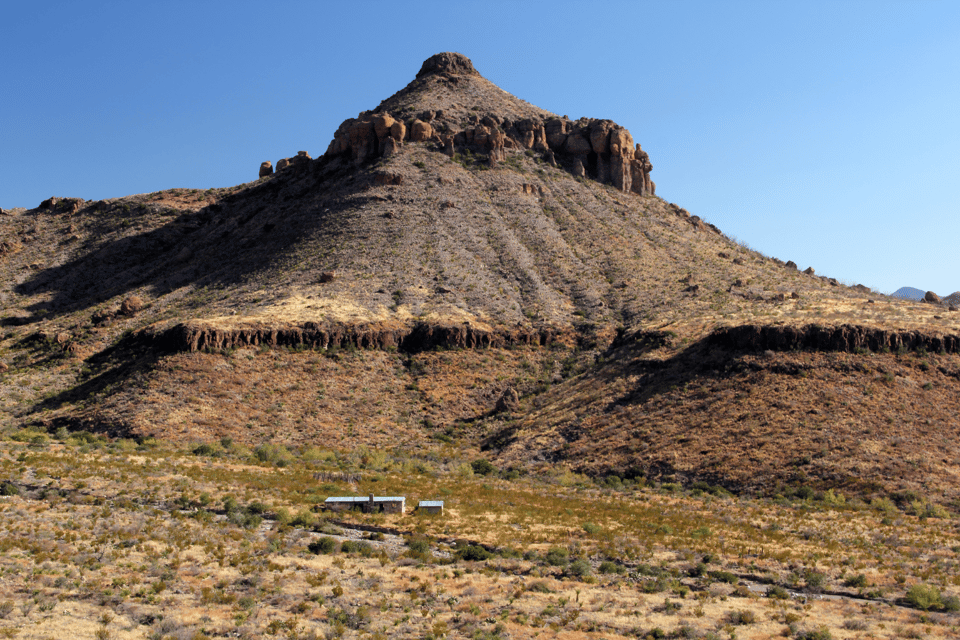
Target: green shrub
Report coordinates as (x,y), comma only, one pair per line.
(742,617)
(557,557)
(540,587)
(204,450)
(473,553)
(9,489)
(325,545)
(857,581)
(778,593)
(591,528)
(723,576)
(579,568)
(482,467)
(820,634)
(418,545)
(608,567)
(924,596)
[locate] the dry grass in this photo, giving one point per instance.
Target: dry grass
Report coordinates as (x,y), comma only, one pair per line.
(133,538)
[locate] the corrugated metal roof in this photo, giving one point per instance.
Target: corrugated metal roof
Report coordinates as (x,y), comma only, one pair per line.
(365,499)
(431,503)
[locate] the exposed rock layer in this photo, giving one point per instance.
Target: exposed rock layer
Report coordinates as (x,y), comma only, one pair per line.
(849,338)
(192,336)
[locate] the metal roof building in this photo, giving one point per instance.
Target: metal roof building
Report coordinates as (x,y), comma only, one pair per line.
(430,506)
(388,504)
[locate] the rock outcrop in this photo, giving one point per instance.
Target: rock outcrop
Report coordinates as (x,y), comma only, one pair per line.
(266,169)
(930,296)
(301,158)
(848,338)
(599,149)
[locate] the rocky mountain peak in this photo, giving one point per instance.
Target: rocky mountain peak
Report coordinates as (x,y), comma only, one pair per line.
(448,62)
(450,108)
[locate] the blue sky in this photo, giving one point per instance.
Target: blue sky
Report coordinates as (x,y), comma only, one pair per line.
(826,133)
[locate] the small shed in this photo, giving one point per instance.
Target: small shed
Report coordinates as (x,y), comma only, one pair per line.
(430,506)
(370,504)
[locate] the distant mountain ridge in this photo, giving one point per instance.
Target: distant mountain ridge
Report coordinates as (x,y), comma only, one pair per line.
(908,293)
(911,293)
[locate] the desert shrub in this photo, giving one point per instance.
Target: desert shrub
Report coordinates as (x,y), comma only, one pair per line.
(275,454)
(9,489)
(362,548)
(256,508)
(473,553)
(483,467)
(804,492)
(609,567)
(6,608)
(591,528)
(950,603)
(723,576)
(304,519)
(856,581)
(325,544)
(418,545)
(815,580)
(557,557)
(204,450)
(539,587)
(924,596)
(778,593)
(579,568)
(374,535)
(697,570)
(819,634)
(742,617)
(855,624)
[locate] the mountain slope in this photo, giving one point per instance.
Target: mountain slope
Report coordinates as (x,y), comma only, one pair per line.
(512,283)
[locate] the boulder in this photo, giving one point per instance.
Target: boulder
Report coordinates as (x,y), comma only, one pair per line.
(398,131)
(420,131)
(448,146)
(791,265)
(390,147)
(809,271)
(266,169)
(930,296)
(509,400)
(131,306)
(282,164)
(327,276)
(383,125)
(387,178)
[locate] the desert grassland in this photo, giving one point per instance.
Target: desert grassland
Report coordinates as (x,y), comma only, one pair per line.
(115,539)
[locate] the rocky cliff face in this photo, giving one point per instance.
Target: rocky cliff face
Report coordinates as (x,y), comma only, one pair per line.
(588,147)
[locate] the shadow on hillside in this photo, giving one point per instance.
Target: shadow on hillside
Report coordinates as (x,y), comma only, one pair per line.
(654,378)
(222,244)
(119,367)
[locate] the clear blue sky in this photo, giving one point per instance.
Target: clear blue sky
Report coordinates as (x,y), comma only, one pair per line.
(827,133)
